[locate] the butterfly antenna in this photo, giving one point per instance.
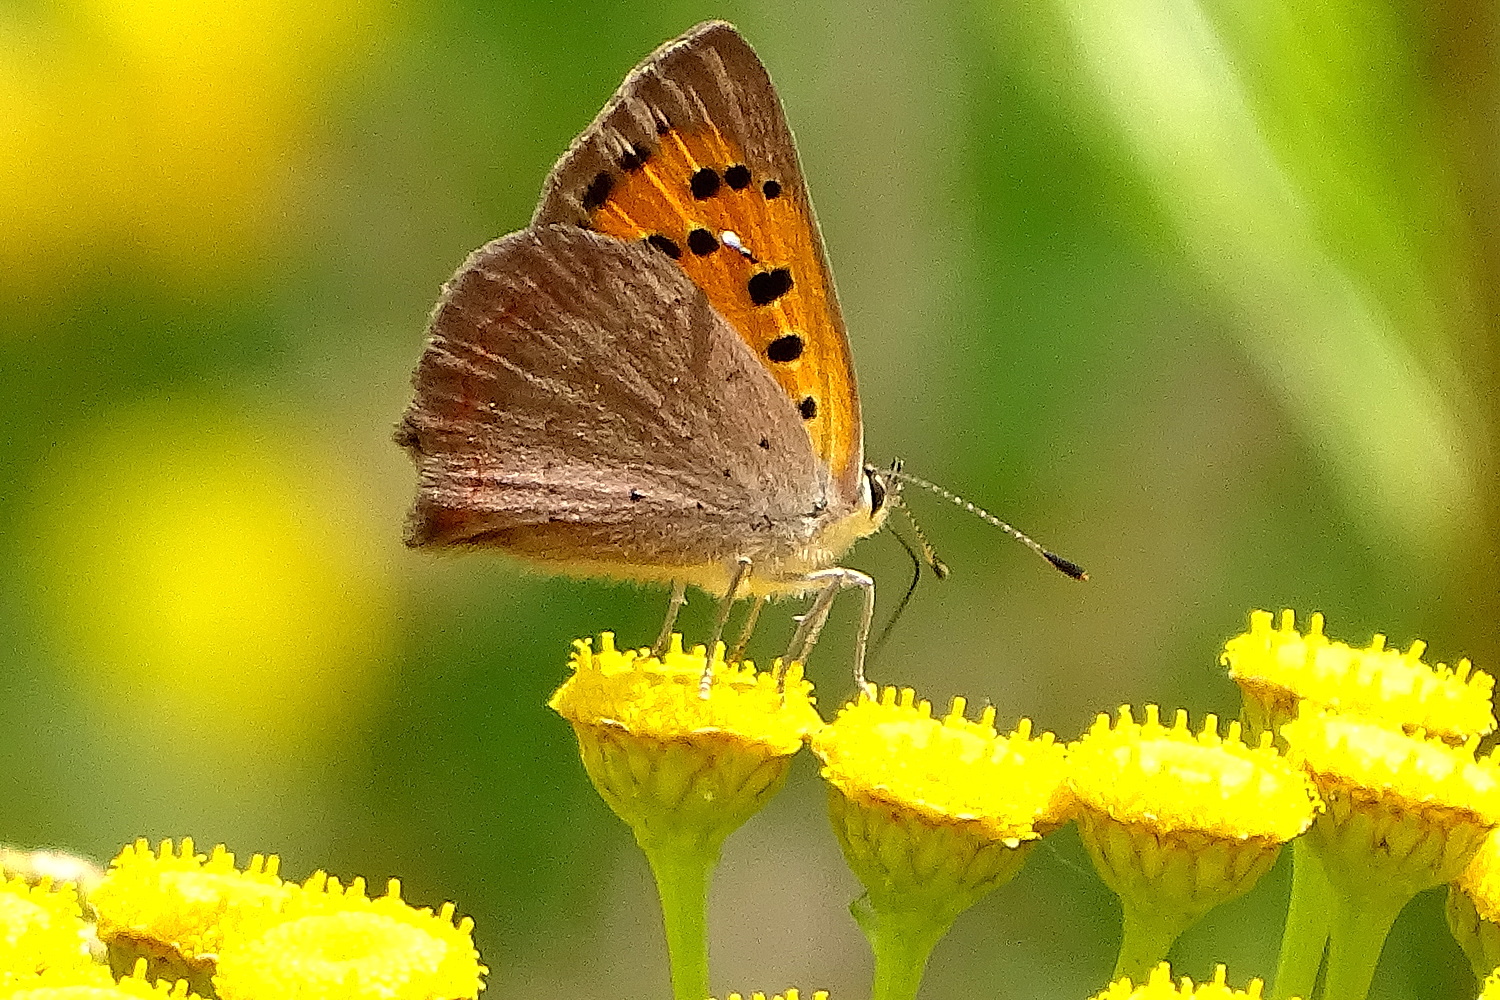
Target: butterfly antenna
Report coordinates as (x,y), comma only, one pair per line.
(929,554)
(1066,566)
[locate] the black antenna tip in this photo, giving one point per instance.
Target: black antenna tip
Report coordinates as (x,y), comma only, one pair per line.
(1068,567)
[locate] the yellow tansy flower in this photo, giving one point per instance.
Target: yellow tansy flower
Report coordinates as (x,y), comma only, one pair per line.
(932,814)
(174,907)
(1159,986)
(96,983)
(670,762)
(684,771)
(1403,813)
(1276,667)
(41,930)
(1178,822)
(888,761)
(1491,989)
(1418,807)
(1474,908)
(335,943)
(59,867)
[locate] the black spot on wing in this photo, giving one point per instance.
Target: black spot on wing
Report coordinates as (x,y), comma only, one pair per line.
(598,190)
(808,408)
(766,287)
(665,244)
(737,177)
(784,349)
(634,157)
(771,189)
(702,242)
(705,183)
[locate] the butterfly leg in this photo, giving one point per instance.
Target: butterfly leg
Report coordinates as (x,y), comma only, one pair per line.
(835,580)
(726,604)
(674,605)
(749,627)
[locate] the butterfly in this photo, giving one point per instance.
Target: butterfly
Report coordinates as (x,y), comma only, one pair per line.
(652,381)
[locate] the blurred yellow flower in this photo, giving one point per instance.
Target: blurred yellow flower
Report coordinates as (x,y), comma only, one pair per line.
(41,930)
(1276,667)
(1159,986)
(1473,908)
(335,943)
(788,995)
(170,128)
(211,587)
(97,984)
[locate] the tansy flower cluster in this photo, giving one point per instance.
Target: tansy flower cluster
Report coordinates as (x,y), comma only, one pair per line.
(174,923)
(1362,758)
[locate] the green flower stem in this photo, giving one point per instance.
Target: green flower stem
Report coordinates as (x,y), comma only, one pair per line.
(682,869)
(1357,930)
(902,942)
(1147,939)
(1306,933)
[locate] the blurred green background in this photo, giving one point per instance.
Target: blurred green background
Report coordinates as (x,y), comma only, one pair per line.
(1200,294)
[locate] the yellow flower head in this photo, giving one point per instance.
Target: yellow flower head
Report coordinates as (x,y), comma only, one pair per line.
(35,866)
(661,699)
(41,930)
(931,812)
(788,995)
(1491,989)
(1473,908)
(1177,822)
(1160,987)
(891,751)
(174,907)
(96,983)
(1171,779)
(1403,812)
(1276,667)
(672,763)
(336,943)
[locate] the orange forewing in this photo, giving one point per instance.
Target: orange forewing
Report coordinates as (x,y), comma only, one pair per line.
(656,200)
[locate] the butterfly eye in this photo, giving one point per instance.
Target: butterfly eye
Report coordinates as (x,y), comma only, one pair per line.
(877,489)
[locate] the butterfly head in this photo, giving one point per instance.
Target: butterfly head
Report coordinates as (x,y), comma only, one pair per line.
(874,503)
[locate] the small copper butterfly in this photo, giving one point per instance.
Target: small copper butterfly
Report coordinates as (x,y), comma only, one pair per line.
(652,381)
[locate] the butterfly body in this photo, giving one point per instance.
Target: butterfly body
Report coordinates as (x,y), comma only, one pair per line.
(652,381)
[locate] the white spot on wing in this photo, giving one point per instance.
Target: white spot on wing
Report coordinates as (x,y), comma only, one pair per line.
(731,239)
